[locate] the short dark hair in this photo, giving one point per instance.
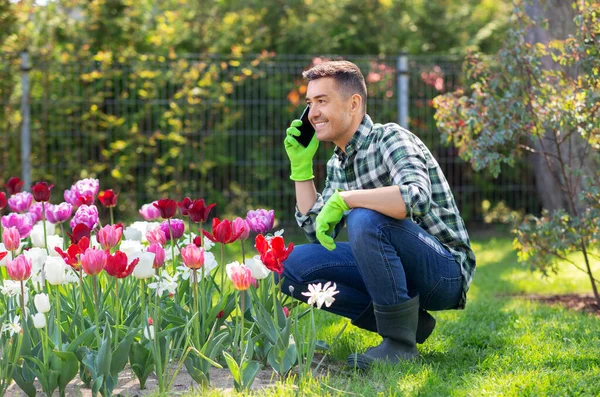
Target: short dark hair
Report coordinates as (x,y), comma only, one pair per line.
(347,75)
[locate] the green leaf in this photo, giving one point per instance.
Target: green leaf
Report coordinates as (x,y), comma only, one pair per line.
(27,387)
(104,358)
(233,367)
(249,372)
(142,362)
(119,359)
(84,338)
(69,366)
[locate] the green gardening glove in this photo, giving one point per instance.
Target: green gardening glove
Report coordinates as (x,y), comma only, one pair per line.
(300,157)
(331,214)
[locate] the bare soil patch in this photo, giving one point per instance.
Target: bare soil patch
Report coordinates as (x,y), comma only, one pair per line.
(579,302)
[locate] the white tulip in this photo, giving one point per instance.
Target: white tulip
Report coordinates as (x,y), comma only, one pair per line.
(55,270)
(53,242)
(42,303)
(37,233)
(149,332)
(131,248)
(38,257)
(39,320)
(143,269)
(258,269)
(132,233)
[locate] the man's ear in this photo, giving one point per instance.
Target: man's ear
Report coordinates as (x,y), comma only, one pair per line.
(356,105)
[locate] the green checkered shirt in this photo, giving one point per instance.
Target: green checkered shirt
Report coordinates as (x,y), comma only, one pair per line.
(385,155)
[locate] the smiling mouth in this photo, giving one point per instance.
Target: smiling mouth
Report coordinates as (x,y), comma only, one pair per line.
(320,124)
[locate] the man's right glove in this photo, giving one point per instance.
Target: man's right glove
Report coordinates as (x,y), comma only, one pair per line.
(300,157)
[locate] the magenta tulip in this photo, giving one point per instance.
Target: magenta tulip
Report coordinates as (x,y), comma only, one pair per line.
(20,202)
(19,269)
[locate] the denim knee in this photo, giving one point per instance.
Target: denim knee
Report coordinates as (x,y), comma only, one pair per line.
(361,221)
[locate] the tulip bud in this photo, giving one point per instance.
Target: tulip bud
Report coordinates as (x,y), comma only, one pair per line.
(145,268)
(93,261)
(54,269)
(41,191)
(149,332)
(42,303)
(39,320)
(11,238)
(159,254)
(20,268)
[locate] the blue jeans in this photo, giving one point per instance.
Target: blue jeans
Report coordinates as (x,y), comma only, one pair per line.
(386,262)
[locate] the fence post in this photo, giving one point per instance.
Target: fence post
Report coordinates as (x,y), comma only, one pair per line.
(402,88)
(26,121)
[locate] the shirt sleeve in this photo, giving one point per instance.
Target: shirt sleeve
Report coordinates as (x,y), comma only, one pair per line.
(408,169)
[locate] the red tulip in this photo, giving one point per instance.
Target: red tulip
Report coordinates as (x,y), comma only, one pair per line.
(2,255)
(273,252)
(222,232)
(79,231)
(74,253)
(2,200)
(197,210)
(14,185)
(108,198)
(41,191)
(167,208)
(86,199)
(116,265)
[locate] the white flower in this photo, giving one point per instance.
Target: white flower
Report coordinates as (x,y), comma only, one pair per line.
(71,276)
(149,332)
(38,256)
(11,288)
(94,242)
(131,247)
(132,233)
(278,233)
(208,244)
(258,269)
(143,227)
(42,303)
(143,269)
(54,241)
(165,283)
(321,295)
(55,270)
(39,320)
(13,328)
(37,233)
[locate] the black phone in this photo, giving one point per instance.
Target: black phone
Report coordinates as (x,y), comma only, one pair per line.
(306,129)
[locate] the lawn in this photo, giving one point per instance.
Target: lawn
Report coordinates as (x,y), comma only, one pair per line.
(499,345)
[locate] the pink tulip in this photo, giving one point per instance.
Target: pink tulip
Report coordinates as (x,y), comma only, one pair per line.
(159,254)
(178,228)
(93,261)
(86,214)
(109,236)
(35,212)
(149,212)
(11,238)
(193,257)
(82,191)
(20,221)
(20,268)
(261,221)
(237,225)
(20,202)
(58,213)
(157,236)
(240,276)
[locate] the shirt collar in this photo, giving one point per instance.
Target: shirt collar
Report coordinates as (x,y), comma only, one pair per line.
(357,139)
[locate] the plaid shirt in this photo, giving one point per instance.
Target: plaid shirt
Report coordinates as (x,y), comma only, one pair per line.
(385,155)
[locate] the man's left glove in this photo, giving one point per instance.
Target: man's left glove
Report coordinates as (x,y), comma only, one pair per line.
(331,214)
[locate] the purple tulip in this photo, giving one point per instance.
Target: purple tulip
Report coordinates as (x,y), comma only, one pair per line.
(237,225)
(149,212)
(176,224)
(20,202)
(86,214)
(58,213)
(35,212)
(21,221)
(83,189)
(261,220)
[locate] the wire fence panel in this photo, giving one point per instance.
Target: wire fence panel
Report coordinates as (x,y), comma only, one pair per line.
(212,127)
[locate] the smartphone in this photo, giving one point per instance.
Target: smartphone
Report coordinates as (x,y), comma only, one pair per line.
(306,129)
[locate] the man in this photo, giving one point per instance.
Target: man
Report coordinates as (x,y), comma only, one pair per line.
(408,248)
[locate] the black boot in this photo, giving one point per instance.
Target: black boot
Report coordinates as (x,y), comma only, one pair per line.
(397,324)
(425,326)
(366,319)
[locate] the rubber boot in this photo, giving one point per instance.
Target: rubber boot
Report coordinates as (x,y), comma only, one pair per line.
(366,319)
(425,326)
(397,324)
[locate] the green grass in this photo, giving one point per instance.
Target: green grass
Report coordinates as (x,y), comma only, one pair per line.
(500,345)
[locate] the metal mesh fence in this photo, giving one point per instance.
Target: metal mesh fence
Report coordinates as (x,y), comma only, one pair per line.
(211,127)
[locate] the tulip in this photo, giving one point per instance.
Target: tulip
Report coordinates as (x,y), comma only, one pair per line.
(54,270)
(258,269)
(42,303)
(82,192)
(38,257)
(58,213)
(14,185)
(39,320)
(145,268)
(108,198)
(240,226)
(2,255)
(2,200)
(193,257)
(177,226)
(93,261)
(86,214)
(41,191)
(131,247)
(240,276)
(156,235)
(261,220)
(167,208)
(149,211)
(286,311)
(20,221)
(19,269)
(222,232)
(273,252)
(132,233)
(35,212)
(197,210)
(20,202)
(37,234)
(80,231)
(116,265)
(109,236)
(159,254)
(149,331)
(11,238)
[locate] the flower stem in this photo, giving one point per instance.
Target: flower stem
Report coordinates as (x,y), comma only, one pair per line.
(243,295)
(112,218)
(44,225)
(118,314)
(157,358)
(222,269)
(96,312)
(190,228)
(81,297)
(22,303)
(172,247)
(243,253)
(58,333)
(64,236)
(197,321)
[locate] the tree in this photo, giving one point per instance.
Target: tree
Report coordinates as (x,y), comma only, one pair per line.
(543,99)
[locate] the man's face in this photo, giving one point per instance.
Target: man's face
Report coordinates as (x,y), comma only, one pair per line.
(330,113)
